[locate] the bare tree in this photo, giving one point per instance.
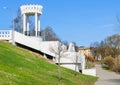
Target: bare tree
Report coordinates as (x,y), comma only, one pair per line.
(110,46)
(114,44)
(65,43)
(76,47)
(17,22)
(49,35)
(58,53)
(94,49)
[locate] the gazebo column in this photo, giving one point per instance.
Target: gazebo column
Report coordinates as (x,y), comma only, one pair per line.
(24,23)
(27,26)
(36,24)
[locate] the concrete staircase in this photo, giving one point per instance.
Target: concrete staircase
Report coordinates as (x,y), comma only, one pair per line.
(36,43)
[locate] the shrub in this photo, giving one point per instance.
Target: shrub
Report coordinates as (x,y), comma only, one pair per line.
(116,66)
(108,62)
(89,65)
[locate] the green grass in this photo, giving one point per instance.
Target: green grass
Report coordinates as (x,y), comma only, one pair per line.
(21,67)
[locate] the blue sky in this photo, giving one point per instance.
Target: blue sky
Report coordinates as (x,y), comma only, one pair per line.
(80,21)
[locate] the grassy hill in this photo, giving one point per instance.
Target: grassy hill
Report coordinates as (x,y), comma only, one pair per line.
(21,67)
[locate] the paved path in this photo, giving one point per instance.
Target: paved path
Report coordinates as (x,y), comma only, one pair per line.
(106,77)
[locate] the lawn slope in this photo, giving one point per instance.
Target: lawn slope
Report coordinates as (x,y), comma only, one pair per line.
(21,67)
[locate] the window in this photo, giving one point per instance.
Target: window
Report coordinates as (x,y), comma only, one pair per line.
(5,32)
(8,32)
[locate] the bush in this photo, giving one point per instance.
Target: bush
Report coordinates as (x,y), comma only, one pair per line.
(116,66)
(89,65)
(112,63)
(108,62)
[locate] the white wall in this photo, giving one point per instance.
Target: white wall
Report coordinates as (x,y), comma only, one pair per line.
(70,66)
(68,60)
(37,43)
(91,72)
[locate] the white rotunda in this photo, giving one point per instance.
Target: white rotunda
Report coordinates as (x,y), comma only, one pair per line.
(31,10)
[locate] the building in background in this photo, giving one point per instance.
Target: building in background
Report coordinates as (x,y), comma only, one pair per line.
(85,51)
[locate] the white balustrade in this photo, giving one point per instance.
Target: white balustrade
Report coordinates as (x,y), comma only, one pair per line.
(5,34)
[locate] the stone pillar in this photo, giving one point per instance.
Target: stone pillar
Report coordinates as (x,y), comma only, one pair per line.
(28,25)
(24,23)
(36,24)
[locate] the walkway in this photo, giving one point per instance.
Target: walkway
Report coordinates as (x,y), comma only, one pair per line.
(106,77)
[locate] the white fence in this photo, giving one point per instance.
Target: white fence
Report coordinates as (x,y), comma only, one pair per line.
(5,34)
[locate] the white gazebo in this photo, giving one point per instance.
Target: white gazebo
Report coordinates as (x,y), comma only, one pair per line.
(31,10)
